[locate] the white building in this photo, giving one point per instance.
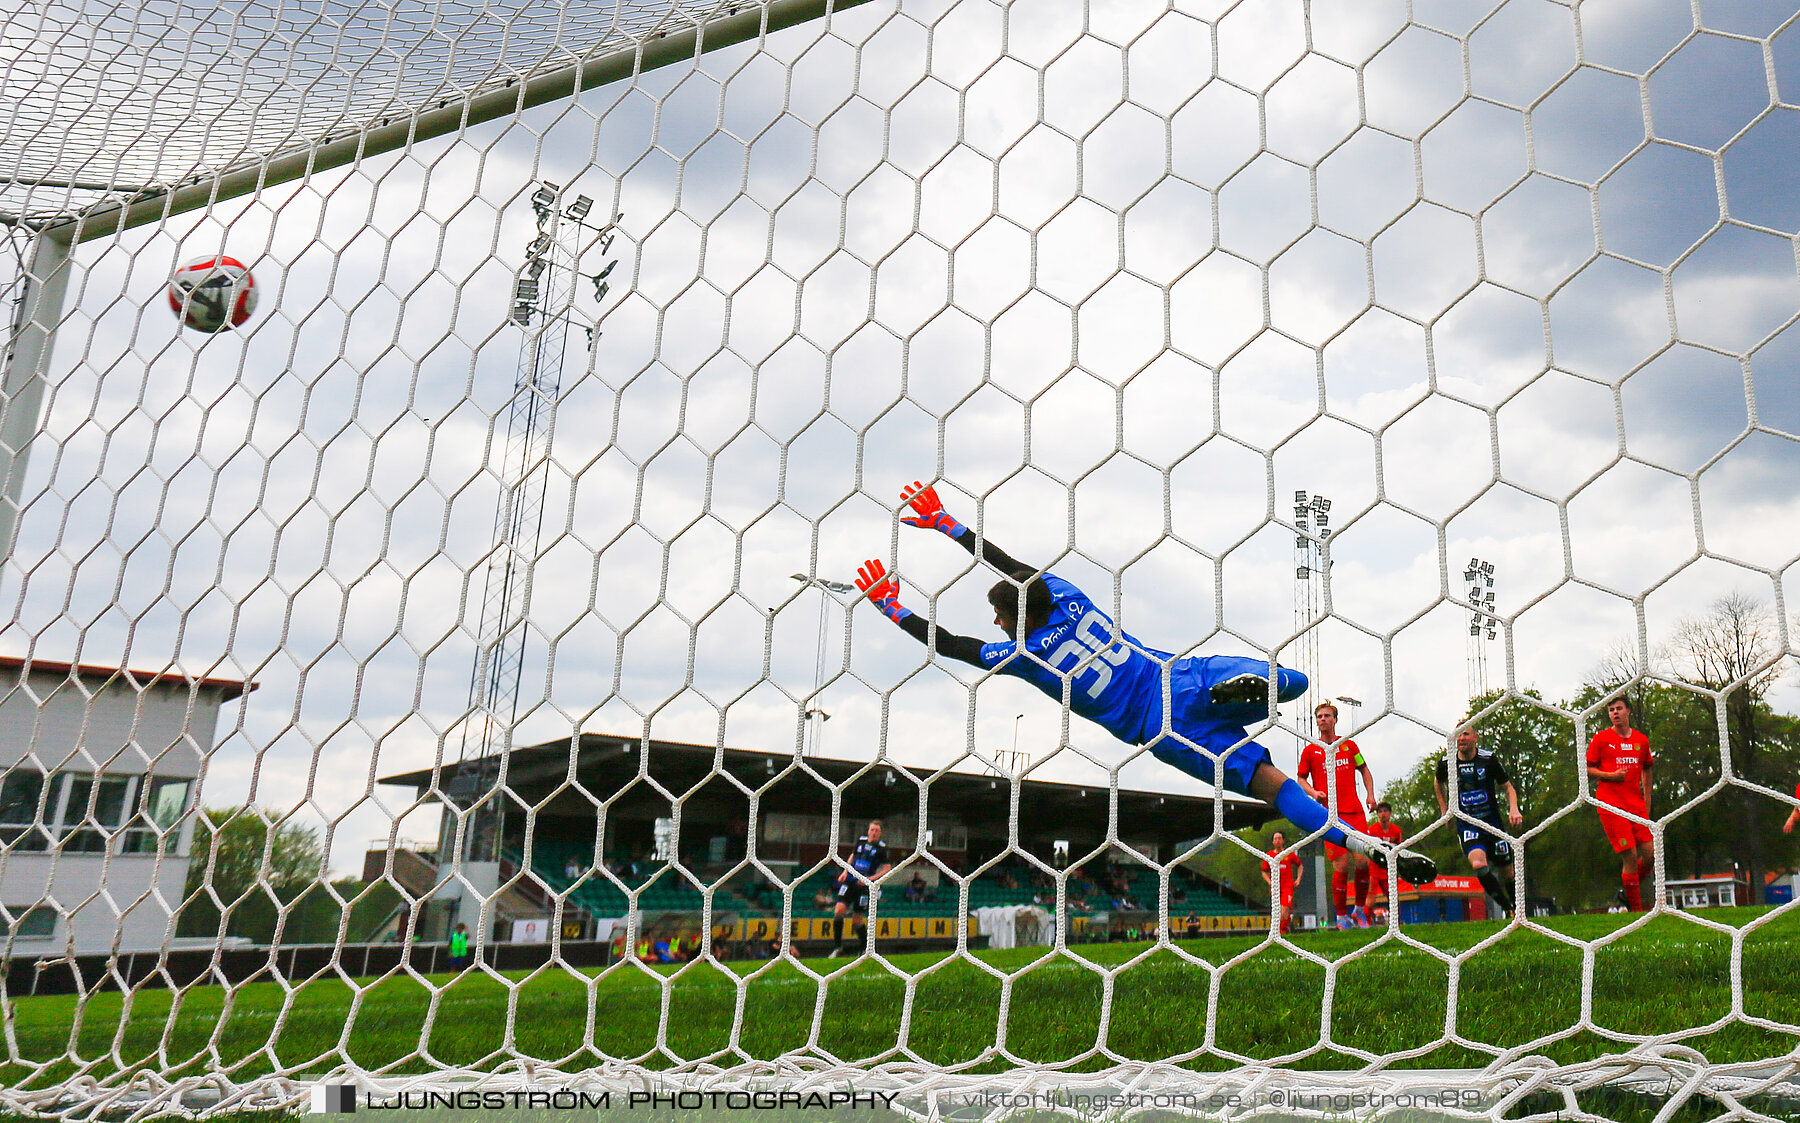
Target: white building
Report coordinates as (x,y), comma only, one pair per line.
(1708,891)
(98,767)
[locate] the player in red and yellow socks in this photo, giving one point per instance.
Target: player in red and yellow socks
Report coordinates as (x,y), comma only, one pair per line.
(1619,763)
(1347,765)
(1292,870)
(1384,828)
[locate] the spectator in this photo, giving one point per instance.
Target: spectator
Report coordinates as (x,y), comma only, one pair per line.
(459,948)
(663,951)
(572,869)
(916,888)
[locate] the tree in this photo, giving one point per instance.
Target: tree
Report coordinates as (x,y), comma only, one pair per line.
(1536,744)
(1733,650)
(254,869)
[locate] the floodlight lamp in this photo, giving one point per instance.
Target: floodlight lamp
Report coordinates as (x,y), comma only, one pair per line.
(579,208)
(546,195)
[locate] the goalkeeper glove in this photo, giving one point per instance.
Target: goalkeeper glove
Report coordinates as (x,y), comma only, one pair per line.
(879,587)
(929,510)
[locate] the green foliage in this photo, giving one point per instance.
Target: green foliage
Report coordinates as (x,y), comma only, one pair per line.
(261,878)
(1714,825)
(1232,865)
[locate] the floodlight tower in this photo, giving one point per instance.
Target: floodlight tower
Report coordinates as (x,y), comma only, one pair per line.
(815,716)
(1312,526)
(1478,578)
(544,305)
(1012,763)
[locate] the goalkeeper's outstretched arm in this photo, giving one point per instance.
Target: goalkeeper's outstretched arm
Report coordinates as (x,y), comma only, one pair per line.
(884,592)
(929,514)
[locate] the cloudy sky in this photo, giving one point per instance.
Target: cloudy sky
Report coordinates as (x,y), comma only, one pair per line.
(1515,284)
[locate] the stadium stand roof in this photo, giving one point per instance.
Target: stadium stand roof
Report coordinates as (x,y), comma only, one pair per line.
(229,687)
(607,766)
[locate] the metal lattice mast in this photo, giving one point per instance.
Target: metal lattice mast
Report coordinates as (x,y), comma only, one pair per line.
(543,301)
(1312,526)
(1484,626)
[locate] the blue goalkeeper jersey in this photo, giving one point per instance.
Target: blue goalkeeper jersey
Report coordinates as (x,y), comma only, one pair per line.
(1113,680)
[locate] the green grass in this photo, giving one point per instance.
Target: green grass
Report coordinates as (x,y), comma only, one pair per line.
(1673,976)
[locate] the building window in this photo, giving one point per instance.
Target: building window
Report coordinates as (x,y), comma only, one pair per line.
(21,794)
(27,922)
(81,813)
(157,825)
(94,810)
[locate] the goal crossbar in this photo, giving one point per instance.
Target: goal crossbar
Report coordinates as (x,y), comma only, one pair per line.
(391,132)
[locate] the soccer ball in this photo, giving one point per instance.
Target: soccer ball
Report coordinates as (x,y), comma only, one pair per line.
(211,294)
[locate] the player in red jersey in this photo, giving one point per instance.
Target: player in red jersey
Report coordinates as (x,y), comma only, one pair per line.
(1292,870)
(1382,826)
(1348,765)
(1619,763)
(1793,816)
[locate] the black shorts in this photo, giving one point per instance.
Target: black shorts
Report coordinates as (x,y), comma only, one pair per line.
(853,892)
(1477,836)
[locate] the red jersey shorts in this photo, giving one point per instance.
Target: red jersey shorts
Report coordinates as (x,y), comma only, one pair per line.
(1623,833)
(1357,821)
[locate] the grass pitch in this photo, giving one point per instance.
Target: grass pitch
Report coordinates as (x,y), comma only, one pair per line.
(1671,976)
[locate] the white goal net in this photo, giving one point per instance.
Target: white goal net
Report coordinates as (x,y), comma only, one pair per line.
(447,674)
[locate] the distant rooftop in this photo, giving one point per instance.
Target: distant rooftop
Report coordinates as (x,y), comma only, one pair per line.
(231,688)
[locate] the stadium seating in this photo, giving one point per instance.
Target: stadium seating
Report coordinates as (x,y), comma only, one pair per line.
(750,893)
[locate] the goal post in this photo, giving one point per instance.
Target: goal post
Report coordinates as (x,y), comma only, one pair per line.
(593,351)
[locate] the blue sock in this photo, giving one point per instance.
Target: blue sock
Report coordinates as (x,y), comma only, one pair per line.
(1305,812)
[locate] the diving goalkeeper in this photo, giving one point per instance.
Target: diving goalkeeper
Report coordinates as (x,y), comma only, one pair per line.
(1065,643)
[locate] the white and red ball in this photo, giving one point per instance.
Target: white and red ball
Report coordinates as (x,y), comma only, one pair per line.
(211,294)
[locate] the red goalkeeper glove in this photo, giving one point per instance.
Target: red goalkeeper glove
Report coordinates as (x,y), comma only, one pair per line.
(928,510)
(882,589)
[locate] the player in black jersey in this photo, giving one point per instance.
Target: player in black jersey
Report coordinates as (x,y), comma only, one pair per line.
(1480,777)
(868,863)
